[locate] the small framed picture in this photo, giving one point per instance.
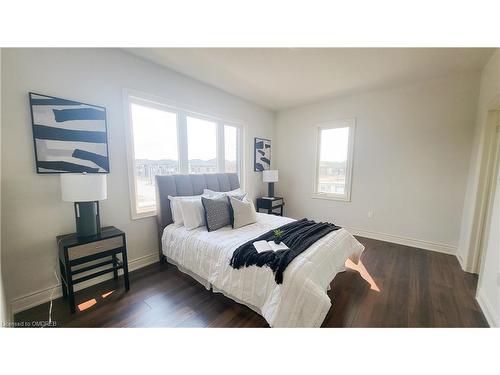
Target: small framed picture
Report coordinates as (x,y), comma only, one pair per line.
(262,156)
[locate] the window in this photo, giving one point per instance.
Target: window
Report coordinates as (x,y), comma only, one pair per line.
(202,145)
(164,139)
(334,160)
(152,155)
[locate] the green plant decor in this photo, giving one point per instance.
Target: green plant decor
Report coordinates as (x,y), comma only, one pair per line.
(278,233)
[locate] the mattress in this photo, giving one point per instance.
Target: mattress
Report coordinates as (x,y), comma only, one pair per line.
(300,301)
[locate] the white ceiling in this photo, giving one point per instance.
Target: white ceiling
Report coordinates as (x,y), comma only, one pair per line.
(278,78)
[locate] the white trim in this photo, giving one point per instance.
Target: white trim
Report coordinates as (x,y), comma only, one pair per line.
(239,149)
(144,213)
(487,194)
(406,241)
(461,261)
(346,123)
(489,201)
(331,197)
(487,308)
(241,153)
(182,143)
(42,296)
(220,148)
(129,149)
(474,246)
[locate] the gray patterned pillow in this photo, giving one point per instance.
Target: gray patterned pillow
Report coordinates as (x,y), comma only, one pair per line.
(216,212)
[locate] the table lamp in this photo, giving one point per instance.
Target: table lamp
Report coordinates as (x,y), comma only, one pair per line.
(85,190)
(270,176)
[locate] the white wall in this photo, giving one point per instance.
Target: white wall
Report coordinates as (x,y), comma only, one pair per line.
(32,212)
(488,292)
(411,156)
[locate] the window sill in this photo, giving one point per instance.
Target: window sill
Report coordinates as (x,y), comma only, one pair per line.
(332,197)
(143,214)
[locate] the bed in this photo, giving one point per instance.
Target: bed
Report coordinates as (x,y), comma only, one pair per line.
(300,301)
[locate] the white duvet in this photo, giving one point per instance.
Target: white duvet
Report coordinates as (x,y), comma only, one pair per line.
(301,301)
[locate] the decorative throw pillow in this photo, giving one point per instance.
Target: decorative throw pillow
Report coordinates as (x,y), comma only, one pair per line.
(216,212)
(176,210)
(175,206)
(242,213)
(237,193)
(192,213)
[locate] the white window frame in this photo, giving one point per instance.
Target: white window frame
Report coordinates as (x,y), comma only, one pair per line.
(182,112)
(347,123)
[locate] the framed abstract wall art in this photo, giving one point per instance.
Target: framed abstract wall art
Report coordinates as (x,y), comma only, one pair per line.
(262,156)
(69,136)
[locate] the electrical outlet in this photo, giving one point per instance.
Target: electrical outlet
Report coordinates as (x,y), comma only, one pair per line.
(370,214)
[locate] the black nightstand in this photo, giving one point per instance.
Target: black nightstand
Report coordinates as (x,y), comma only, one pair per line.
(271,204)
(74,251)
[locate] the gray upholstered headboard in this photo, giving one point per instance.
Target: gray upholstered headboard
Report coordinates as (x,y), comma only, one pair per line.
(188,184)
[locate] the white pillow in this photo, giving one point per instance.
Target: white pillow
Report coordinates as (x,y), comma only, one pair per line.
(193,214)
(243,213)
(176,207)
(238,193)
(211,193)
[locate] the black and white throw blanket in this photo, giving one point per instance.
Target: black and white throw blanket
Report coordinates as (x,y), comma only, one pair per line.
(297,235)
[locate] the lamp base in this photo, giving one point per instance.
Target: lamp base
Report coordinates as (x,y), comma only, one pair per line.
(270,189)
(87,219)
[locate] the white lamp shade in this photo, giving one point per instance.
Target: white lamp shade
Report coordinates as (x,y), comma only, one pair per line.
(270,175)
(83,187)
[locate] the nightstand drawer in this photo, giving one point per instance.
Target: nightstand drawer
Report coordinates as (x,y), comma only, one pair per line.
(271,205)
(80,251)
(277,202)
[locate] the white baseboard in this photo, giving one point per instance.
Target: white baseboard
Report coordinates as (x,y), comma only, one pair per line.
(461,261)
(488,311)
(421,244)
(41,296)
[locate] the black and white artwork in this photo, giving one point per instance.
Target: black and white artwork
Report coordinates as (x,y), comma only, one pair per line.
(69,136)
(262,158)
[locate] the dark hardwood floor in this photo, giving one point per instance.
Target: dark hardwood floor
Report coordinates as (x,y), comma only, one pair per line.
(394,286)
